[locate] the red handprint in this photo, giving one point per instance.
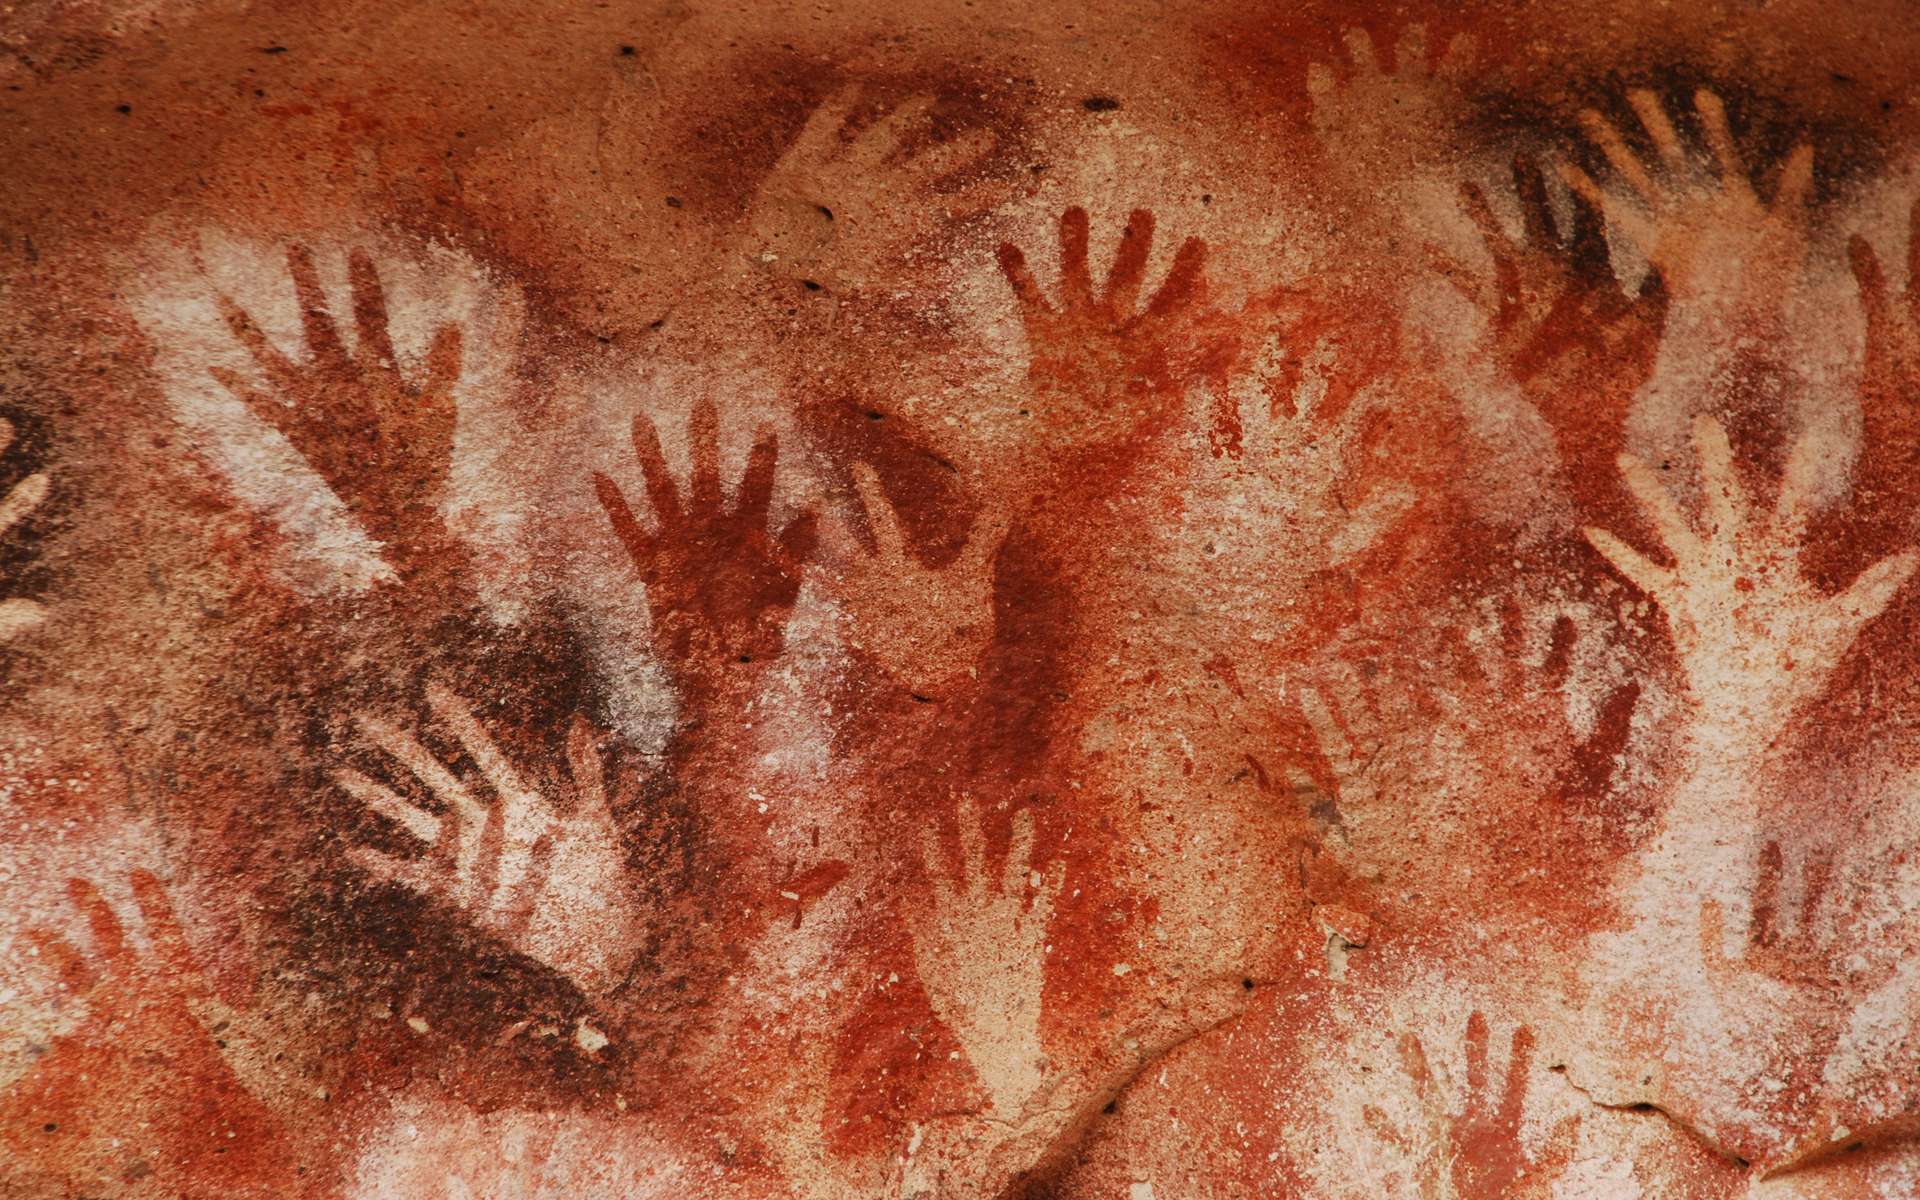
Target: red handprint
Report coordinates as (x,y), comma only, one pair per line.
(381,441)
(720,584)
(1104,368)
(141,1089)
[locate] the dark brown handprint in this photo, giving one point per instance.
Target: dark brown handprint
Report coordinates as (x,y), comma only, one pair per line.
(381,441)
(1477,1152)
(1564,328)
(720,584)
(1105,367)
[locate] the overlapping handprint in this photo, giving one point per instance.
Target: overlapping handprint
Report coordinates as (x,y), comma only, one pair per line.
(547,877)
(1693,225)
(926,625)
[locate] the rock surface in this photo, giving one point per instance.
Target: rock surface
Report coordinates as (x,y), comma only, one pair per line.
(949,598)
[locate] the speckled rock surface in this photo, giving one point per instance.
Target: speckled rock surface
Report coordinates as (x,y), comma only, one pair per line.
(948,598)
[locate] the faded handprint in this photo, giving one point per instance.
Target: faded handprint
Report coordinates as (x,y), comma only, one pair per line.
(549,881)
(720,585)
(1344,745)
(126,979)
(1783,937)
(1296,428)
(1529,660)
(1755,638)
(844,212)
(18,614)
(1477,1153)
(143,1080)
(1890,383)
(1563,327)
(981,954)
(1692,224)
(383,442)
(926,625)
(1396,121)
(1104,367)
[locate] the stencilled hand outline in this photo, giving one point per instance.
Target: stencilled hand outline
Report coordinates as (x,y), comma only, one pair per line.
(1476,1153)
(18,615)
(844,207)
(926,625)
(720,584)
(380,438)
(1690,223)
(981,954)
(1755,638)
(548,880)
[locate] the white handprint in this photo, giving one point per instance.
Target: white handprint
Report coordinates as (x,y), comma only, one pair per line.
(18,615)
(1756,639)
(551,883)
(926,625)
(981,954)
(1692,224)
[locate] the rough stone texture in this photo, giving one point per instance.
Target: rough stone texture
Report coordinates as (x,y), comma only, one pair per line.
(959,598)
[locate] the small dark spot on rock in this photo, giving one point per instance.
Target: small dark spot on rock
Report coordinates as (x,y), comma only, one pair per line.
(123,109)
(1112,1107)
(626,52)
(919,699)
(1206,198)
(825,211)
(810,285)
(874,414)
(1099,104)
(673,202)
(656,323)
(273,50)
(50,1127)
(746,658)
(1247,984)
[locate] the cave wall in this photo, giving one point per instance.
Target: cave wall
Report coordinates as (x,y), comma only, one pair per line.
(955,598)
